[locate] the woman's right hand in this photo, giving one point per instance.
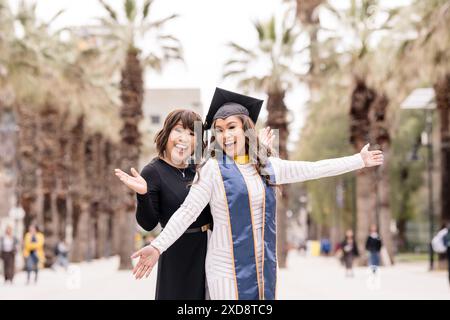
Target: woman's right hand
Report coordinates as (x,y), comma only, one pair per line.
(148,257)
(135,182)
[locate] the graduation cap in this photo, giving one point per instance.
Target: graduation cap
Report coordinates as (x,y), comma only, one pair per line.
(227,103)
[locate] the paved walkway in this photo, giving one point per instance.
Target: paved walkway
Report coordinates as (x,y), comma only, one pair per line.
(305,278)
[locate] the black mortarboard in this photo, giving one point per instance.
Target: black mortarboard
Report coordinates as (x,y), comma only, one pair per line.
(227,103)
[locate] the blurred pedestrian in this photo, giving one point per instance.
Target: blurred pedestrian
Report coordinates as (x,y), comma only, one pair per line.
(447,243)
(349,251)
(373,246)
(8,249)
(62,255)
(325,246)
(438,243)
(33,251)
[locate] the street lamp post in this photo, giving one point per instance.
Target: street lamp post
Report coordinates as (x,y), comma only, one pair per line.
(429,145)
(424,98)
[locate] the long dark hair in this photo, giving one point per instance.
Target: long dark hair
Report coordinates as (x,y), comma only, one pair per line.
(258,152)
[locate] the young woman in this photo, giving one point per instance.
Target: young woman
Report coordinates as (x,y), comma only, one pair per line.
(33,252)
(161,189)
(241,258)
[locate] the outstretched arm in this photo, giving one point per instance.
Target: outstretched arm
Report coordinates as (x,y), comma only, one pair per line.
(195,202)
(297,171)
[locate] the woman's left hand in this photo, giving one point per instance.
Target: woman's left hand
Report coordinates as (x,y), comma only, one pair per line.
(372,158)
(266,137)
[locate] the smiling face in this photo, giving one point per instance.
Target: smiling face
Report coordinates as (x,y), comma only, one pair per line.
(176,142)
(180,144)
(230,135)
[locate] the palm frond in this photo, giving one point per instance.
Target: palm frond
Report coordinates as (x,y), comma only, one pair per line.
(271,29)
(112,13)
(55,16)
(241,49)
(236,61)
(260,30)
(254,83)
(146,8)
(159,23)
(337,13)
(154,62)
(233,73)
(130,10)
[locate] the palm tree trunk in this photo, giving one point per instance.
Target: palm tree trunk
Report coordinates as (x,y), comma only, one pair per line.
(27,178)
(380,135)
(362,98)
(277,119)
(79,201)
(365,206)
(112,205)
(48,152)
(442,89)
(131,113)
(368,123)
(102,216)
(63,178)
(310,20)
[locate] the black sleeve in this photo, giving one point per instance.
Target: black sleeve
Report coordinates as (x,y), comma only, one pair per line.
(147,209)
(368,244)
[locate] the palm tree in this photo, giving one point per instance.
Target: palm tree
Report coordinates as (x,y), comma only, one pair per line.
(8,134)
(121,40)
(307,13)
(360,20)
(59,101)
(433,46)
(424,38)
(277,47)
(442,88)
(33,66)
(94,102)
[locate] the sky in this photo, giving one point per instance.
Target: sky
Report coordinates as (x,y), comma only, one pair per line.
(204,28)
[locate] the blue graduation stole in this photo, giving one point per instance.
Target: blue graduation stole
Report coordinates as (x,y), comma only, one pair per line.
(248,287)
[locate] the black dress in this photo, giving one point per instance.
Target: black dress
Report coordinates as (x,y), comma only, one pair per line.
(181,268)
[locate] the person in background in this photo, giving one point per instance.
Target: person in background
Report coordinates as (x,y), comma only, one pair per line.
(439,245)
(349,251)
(61,253)
(33,251)
(373,246)
(325,246)
(8,249)
(447,243)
